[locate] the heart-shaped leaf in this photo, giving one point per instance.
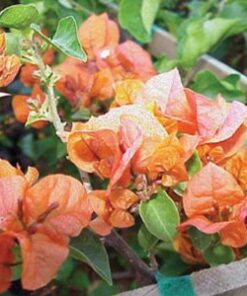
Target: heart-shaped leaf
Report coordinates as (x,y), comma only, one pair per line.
(19,16)
(88,248)
(65,38)
(160,216)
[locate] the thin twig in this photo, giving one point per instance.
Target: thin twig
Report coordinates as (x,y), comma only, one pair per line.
(143,273)
(86,181)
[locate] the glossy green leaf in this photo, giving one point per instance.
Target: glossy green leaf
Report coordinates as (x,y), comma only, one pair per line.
(19,16)
(199,36)
(88,248)
(65,38)
(145,238)
(160,216)
(207,83)
(194,164)
(201,241)
(219,254)
(138,16)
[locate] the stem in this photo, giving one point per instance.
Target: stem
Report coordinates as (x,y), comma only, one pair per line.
(114,240)
(52,103)
(86,181)
(52,100)
(79,7)
(143,272)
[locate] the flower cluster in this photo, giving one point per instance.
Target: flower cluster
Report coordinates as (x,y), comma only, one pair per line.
(108,62)
(40,216)
(146,143)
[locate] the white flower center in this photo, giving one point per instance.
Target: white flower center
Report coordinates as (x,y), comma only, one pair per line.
(105,53)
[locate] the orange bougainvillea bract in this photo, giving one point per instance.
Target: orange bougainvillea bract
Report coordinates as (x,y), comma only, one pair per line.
(41,218)
(138,139)
(108,63)
(10,64)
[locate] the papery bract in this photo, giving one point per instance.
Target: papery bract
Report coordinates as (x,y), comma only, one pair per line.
(6,259)
(22,108)
(125,91)
(183,245)
(135,60)
(168,160)
(9,64)
(41,218)
(107,144)
(237,166)
(232,233)
(76,81)
(97,34)
(112,209)
(166,90)
(211,187)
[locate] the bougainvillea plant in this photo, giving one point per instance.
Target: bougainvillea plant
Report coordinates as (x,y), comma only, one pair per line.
(152,155)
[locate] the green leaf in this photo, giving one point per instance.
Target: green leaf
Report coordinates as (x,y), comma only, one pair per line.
(66,270)
(19,16)
(102,289)
(219,254)
(14,39)
(237,10)
(164,64)
(106,1)
(194,164)
(34,117)
(66,3)
(79,280)
(65,38)
(17,269)
(200,241)
(149,10)
(198,36)
(145,238)
(27,145)
(81,114)
(172,20)
(160,216)
(200,8)
(207,83)
(174,265)
(180,188)
(137,17)
(88,248)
